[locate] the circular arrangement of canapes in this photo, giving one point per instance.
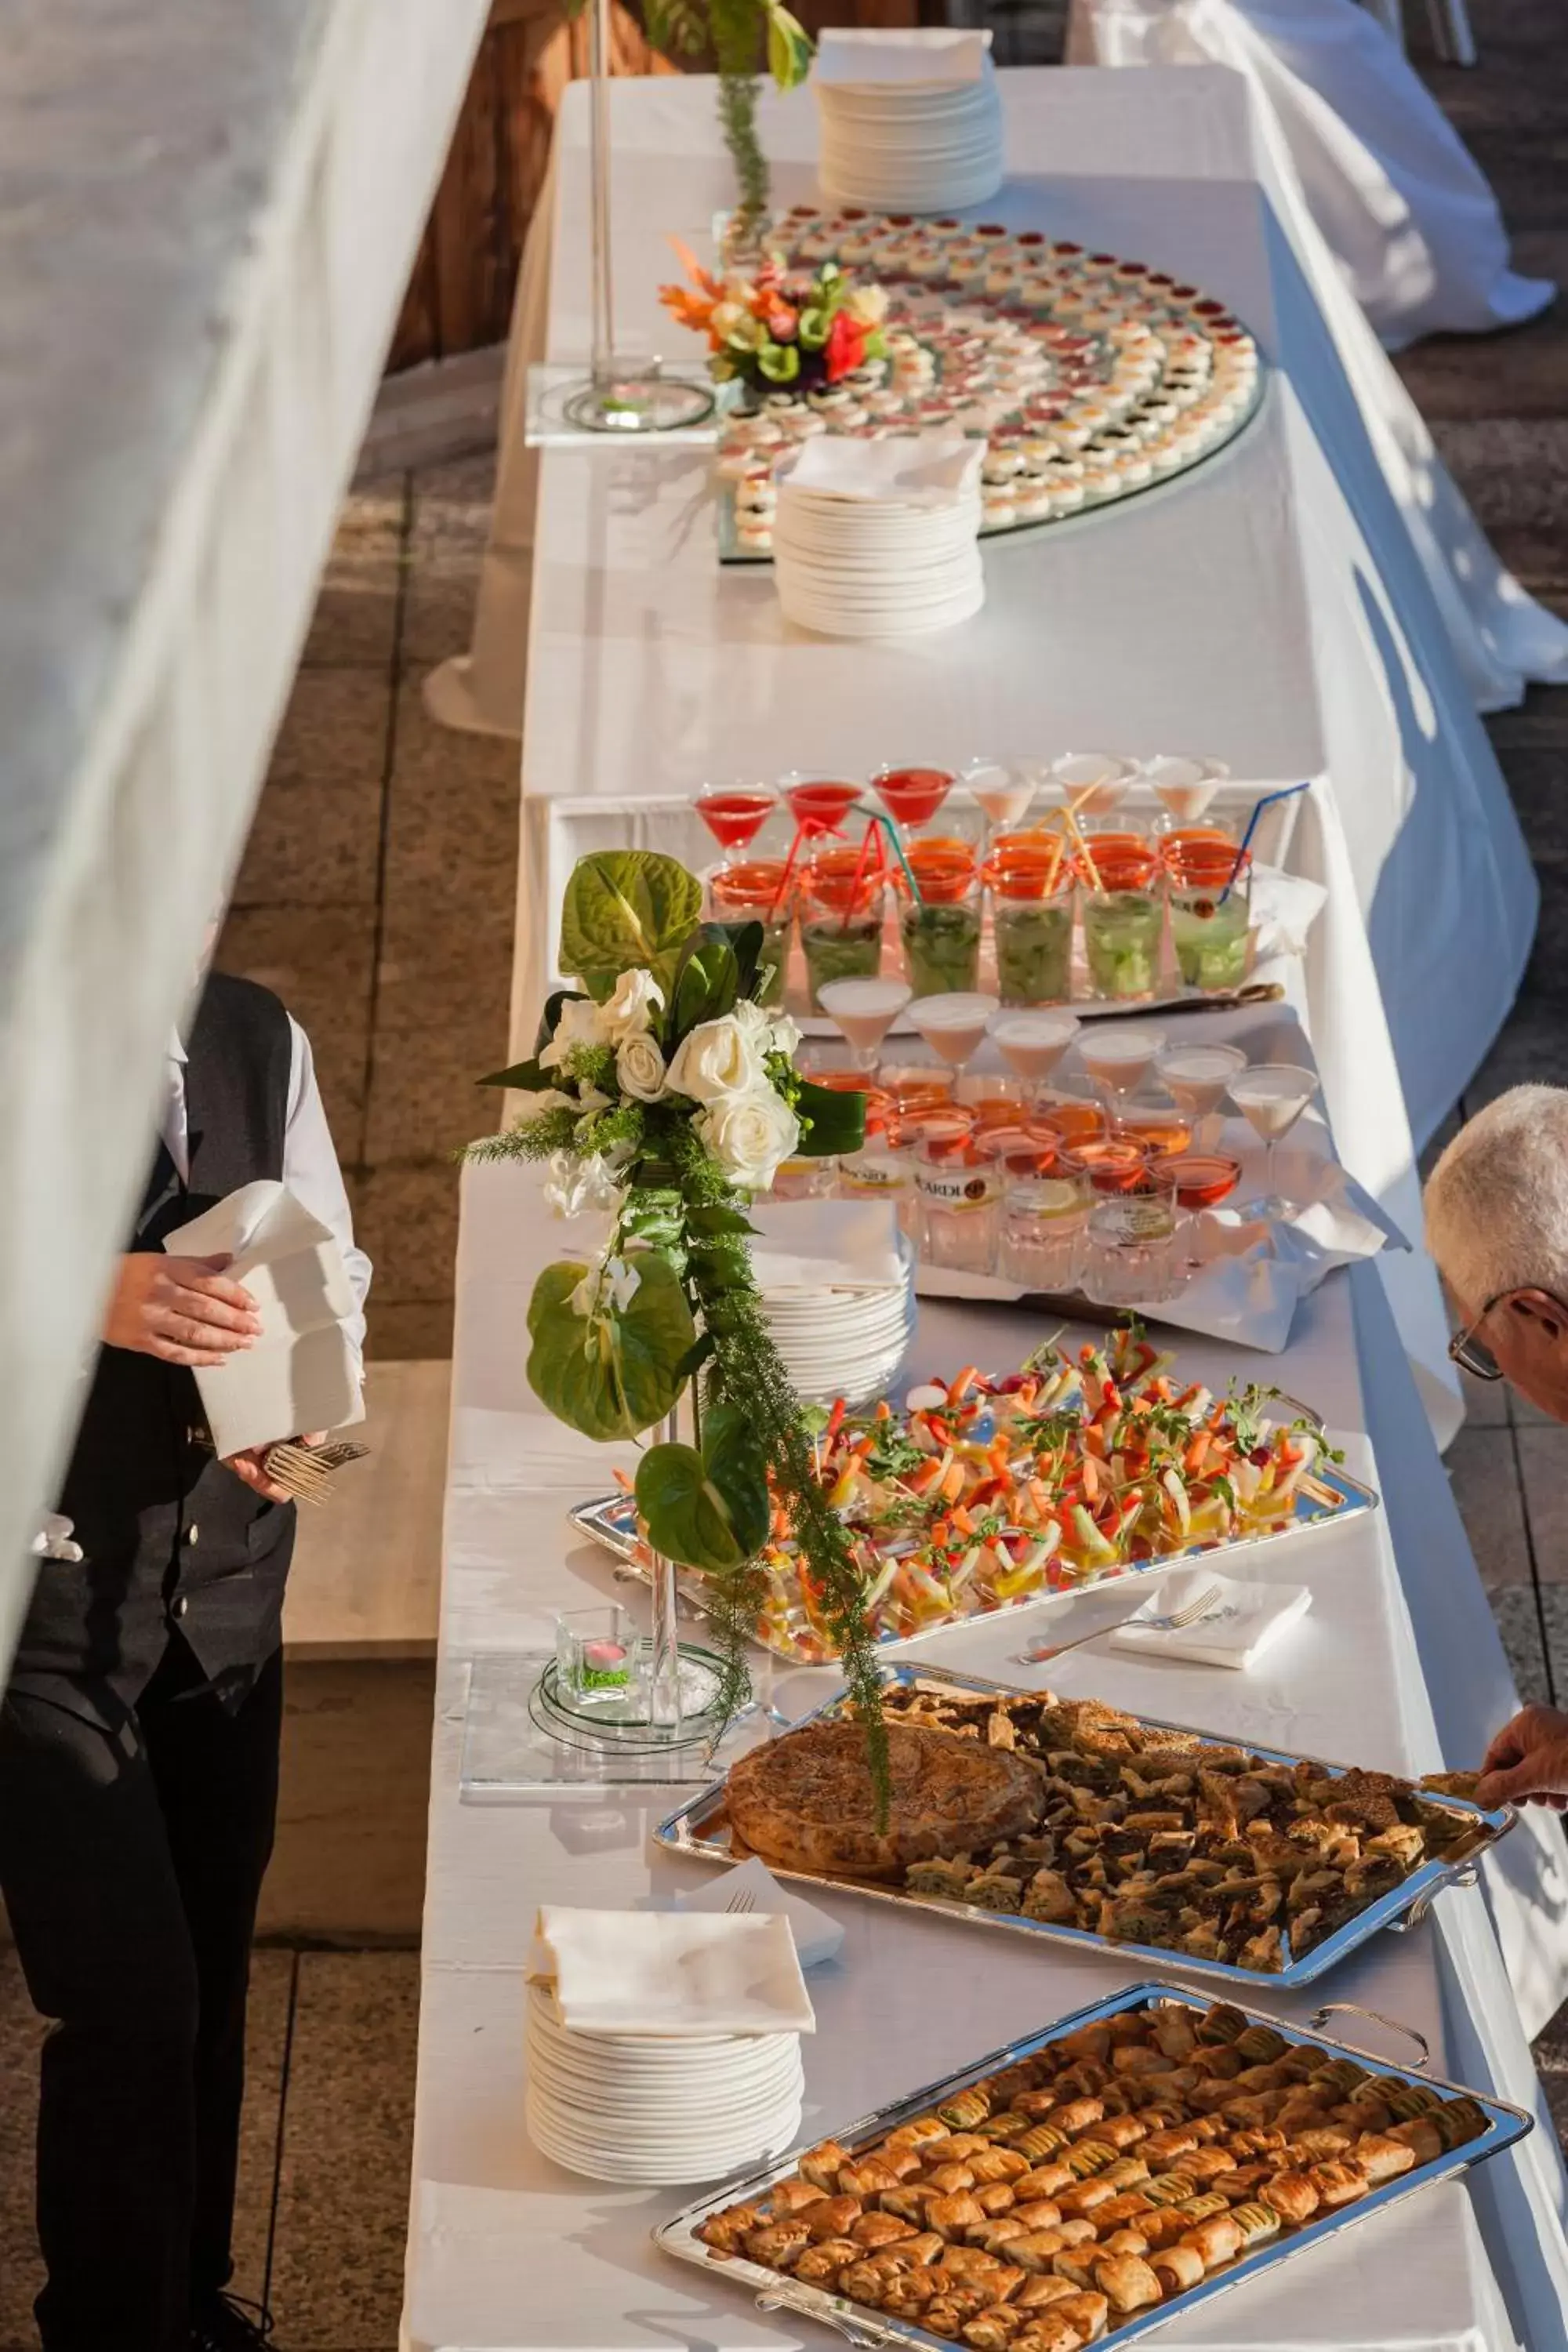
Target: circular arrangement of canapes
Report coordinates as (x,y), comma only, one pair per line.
(1111,2172)
(1089,377)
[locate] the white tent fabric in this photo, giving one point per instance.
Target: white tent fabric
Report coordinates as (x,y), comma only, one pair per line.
(1414,215)
(1405,209)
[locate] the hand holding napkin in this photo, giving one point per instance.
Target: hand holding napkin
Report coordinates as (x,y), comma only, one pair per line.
(682,1974)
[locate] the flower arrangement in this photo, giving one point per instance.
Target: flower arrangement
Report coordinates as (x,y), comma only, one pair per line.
(778,331)
(662,1091)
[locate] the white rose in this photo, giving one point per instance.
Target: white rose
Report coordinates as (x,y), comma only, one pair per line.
(639,1069)
(630,1009)
(748,1135)
(579,1023)
(718,1058)
(784,1034)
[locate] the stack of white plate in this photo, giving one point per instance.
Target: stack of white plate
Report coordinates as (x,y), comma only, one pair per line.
(836,1342)
(877,564)
(642,2107)
(911,146)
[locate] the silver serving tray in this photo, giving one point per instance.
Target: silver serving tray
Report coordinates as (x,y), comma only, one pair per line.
(776,2291)
(699,1829)
(610,1521)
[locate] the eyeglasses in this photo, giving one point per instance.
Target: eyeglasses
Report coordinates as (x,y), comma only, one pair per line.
(1472,1353)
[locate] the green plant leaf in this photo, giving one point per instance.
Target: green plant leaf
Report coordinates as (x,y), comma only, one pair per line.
(527,1077)
(707,984)
(789,47)
(838,1122)
(716,1217)
(708,1509)
(613,1374)
(626,910)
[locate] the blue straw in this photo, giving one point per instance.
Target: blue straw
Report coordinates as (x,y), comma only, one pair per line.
(1289,794)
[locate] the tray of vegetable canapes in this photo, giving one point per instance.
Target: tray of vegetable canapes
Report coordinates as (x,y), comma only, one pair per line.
(1084,2185)
(1066,1818)
(994,1494)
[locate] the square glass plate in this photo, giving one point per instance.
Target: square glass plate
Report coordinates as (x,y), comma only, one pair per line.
(508,1749)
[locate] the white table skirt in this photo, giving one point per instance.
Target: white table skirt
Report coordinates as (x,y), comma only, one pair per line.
(506,2251)
(1270,609)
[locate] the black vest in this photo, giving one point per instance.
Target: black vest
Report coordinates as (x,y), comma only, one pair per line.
(169,1537)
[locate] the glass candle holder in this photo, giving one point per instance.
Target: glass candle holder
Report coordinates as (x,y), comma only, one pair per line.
(959,1178)
(840,909)
(1211,913)
(941,935)
(1031,901)
(1045,1213)
(758,890)
(598,1657)
(1121,906)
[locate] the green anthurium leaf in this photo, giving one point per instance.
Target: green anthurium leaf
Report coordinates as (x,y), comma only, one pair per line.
(789,47)
(626,910)
(707,982)
(526,1077)
(838,1122)
(708,1509)
(615,1374)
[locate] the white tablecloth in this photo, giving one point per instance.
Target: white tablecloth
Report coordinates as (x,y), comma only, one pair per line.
(505,2252)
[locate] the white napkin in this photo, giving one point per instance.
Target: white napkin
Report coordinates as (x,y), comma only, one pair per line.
(868,54)
(1284,909)
(678,1974)
(827,1245)
(817,1937)
(304,1372)
(934,468)
(1246,1620)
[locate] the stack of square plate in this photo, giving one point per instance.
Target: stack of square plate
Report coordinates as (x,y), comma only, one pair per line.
(928,139)
(653,2108)
(842,1342)
(879,539)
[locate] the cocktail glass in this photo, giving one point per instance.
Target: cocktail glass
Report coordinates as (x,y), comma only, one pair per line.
(1133,1222)
(1001,792)
(1097,782)
(1032,1044)
(1031,901)
(1118,1056)
(1210,896)
(941,930)
(1271,1097)
(959,1178)
(1121,905)
(758,890)
(912,797)
(1184,788)
(1044,1210)
(865,1010)
(735,813)
(820,804)
(1195,1076)
(953,1025)
(841,902)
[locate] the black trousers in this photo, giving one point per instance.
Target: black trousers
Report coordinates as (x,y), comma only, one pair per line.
(132,1855)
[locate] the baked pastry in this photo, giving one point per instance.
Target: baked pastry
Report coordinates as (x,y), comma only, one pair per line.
(807,1803)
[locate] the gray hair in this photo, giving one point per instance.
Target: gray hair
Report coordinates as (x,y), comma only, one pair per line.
(1497,1202)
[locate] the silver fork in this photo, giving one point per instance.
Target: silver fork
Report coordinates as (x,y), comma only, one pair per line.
(1038,1652)
(742,1902)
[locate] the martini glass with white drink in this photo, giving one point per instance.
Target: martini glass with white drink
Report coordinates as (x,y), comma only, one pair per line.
(1118,1056)
(1094,783)
(1001,791)
(865,1010)
(1184,788)
(1197,1077)
(1271,1098)
(1032,1044)
(954,1025)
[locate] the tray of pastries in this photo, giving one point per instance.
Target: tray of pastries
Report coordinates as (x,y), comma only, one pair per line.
(1067,1818)
(1083,2186)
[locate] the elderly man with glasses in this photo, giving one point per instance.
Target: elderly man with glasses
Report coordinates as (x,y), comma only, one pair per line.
(1497,1224)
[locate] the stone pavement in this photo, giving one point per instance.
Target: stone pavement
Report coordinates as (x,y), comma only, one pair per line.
(376,895)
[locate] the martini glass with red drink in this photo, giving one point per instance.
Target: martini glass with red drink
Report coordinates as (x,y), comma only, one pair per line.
(735,815)
(912,797)
(820,803)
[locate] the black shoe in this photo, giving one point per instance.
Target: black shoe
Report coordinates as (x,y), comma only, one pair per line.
(227,2324)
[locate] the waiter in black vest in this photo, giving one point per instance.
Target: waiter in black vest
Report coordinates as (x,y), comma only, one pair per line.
(139,1737)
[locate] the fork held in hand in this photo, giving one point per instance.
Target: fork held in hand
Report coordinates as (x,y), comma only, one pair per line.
(1040,1653)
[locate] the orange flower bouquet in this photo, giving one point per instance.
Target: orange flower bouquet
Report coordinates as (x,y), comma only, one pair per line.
(778,331)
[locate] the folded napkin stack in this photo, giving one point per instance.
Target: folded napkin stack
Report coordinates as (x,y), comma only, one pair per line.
(837,1285)
(664,2046)
(878,539)
(910,120)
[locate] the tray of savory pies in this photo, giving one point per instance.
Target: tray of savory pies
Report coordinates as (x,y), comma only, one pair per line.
(1089,2183)
(1017,1810)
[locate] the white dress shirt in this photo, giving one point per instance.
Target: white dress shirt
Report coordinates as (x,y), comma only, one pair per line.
(311,1167)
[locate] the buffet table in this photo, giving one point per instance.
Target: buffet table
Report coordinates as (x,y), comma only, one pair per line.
(506,2251)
